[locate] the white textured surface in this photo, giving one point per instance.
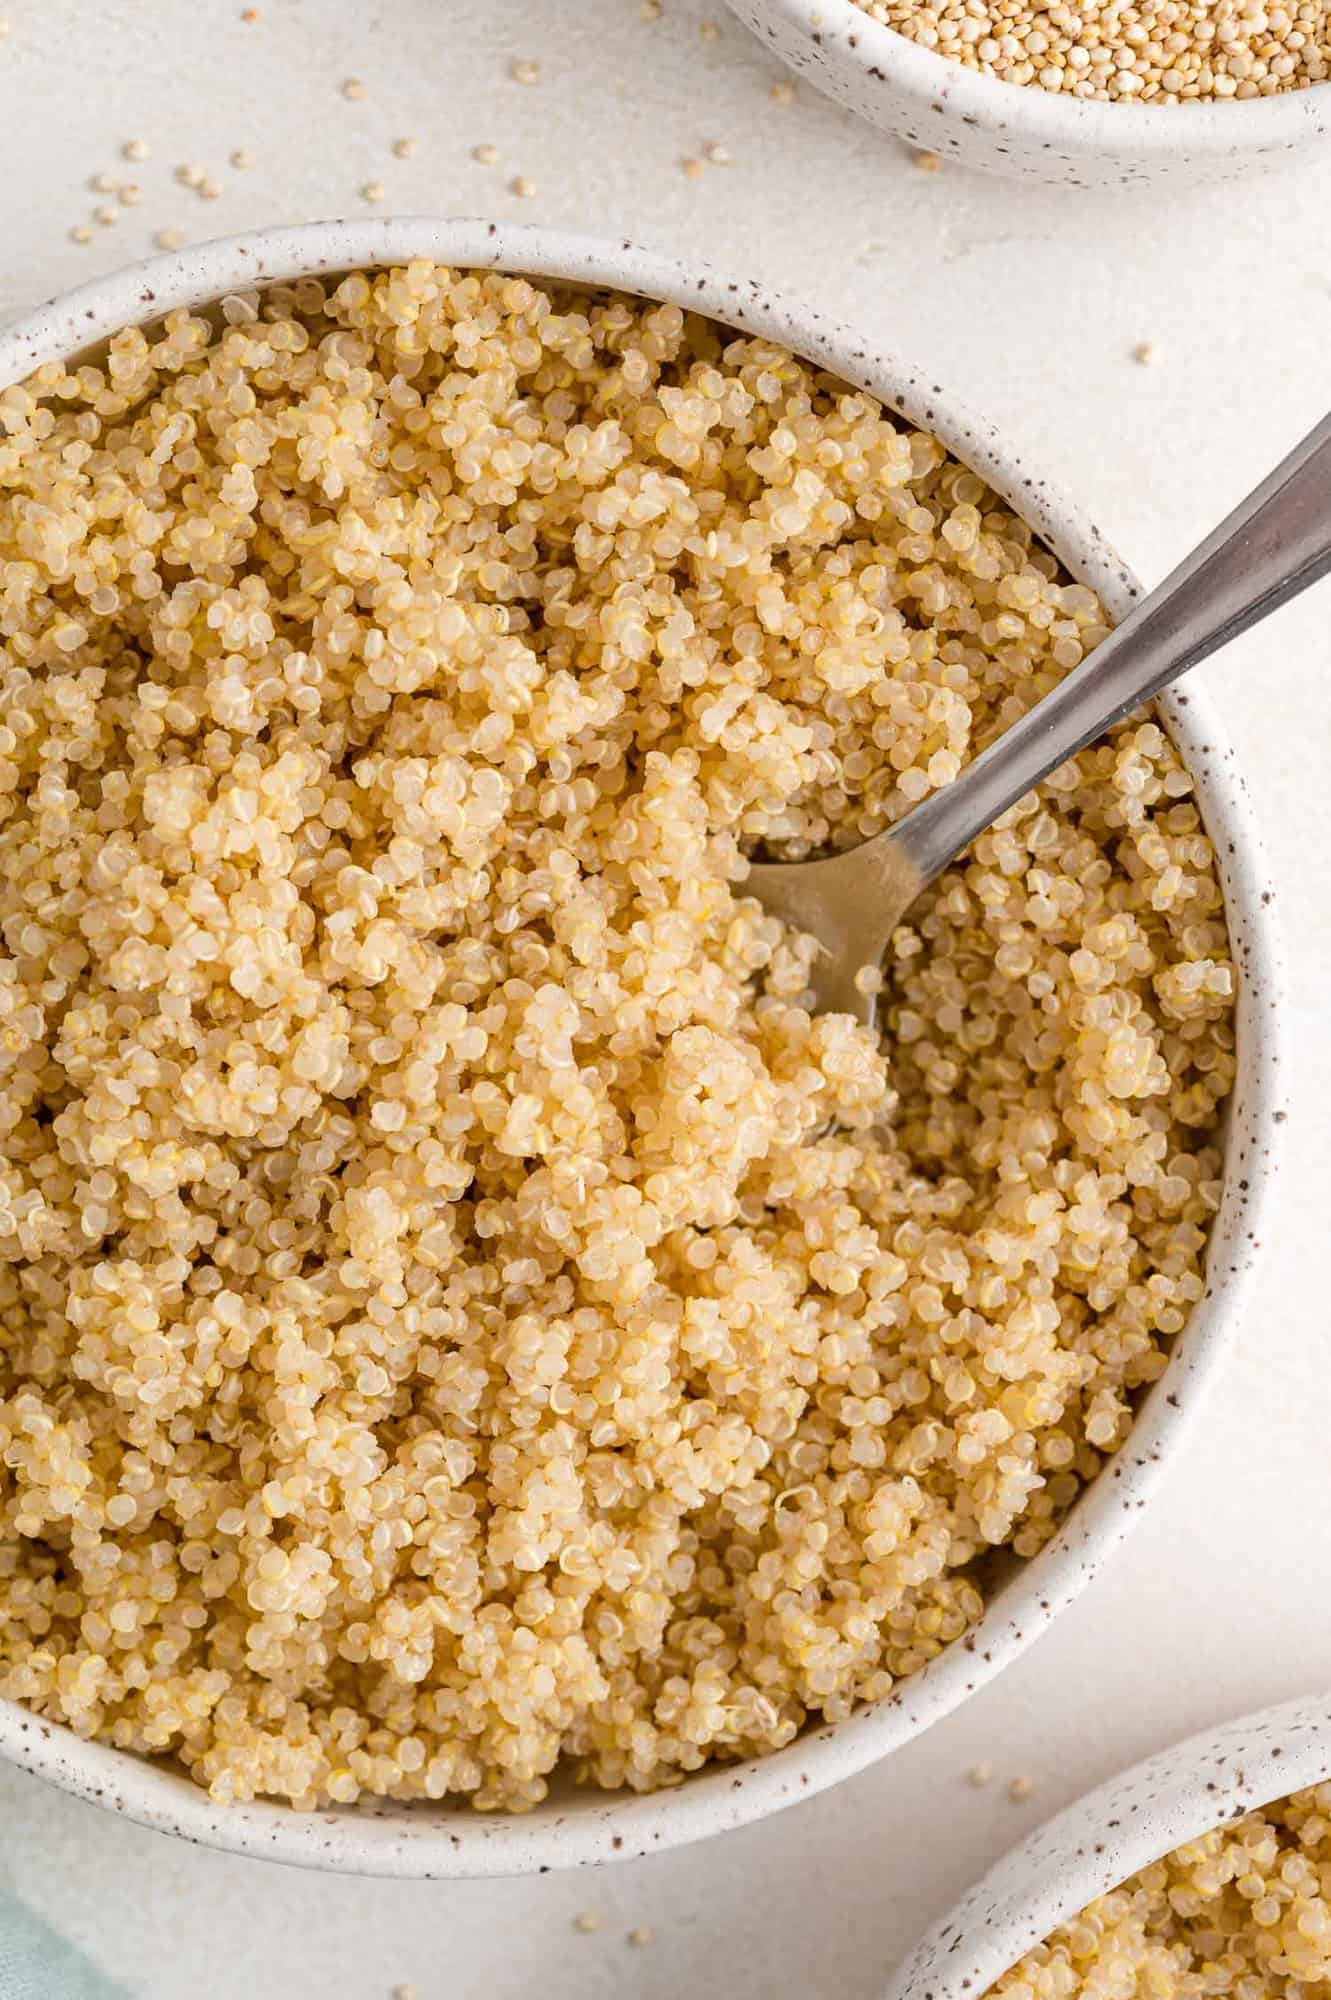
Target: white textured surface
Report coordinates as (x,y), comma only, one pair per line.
(1031,304)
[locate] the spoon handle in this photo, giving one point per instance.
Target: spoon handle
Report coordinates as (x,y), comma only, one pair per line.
(1274,544)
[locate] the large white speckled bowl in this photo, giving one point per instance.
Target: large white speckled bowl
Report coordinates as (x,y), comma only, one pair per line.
(578,1827)
(1123,1826)
(1022,131)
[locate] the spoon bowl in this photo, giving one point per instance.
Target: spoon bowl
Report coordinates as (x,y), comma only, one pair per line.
(1274,545)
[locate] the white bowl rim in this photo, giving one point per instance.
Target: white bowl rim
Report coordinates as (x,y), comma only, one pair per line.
(1132,131)
(395,1840)
(1110,1833)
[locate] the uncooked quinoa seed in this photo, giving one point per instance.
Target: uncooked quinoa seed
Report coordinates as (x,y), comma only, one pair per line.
(462,1310)
(1133,51)
(1244,1911)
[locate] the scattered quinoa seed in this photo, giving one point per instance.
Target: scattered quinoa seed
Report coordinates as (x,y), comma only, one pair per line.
(372,191)
(136,149)
(719,156)
(782,91)
(708,30)
(487,155)
(693,168)
(521,186)
(642,1934)
(979,1775)
(107,216)
(1020,1788)
(928,163)
(169,239)
(209,189)
(242,159)
(353,88)
(650,10)
(82,233)
(404,148)
(1146,353)
(102,184)
(588,1921)
(130,194)
(525,72)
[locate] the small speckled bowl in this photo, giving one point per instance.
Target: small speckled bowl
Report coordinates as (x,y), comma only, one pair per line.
(577,1827)
(1110,1834)
(1021,131)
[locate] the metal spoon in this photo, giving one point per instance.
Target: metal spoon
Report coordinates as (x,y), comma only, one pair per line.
(1274,544)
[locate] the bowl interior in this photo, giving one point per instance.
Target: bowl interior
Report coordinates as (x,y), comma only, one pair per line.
(577,1826)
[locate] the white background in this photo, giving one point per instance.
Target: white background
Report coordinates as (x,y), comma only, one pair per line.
(1030,303)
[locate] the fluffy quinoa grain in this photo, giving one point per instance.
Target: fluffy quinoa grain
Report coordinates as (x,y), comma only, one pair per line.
(462,1311)
(1133,51)
(1245,1910)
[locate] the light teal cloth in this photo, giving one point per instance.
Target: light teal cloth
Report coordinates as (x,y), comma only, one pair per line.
(35,1964)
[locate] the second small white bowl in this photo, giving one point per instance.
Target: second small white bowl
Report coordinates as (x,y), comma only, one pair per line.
(1109,1835)
(1021,131)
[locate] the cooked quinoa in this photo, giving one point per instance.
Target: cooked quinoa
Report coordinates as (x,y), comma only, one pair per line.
(1245,1910)
(1128,51)
(460,1310)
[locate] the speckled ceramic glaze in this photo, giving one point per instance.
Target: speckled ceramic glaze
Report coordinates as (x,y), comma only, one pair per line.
(1107,1836)
(578,1827)
(1023,132)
